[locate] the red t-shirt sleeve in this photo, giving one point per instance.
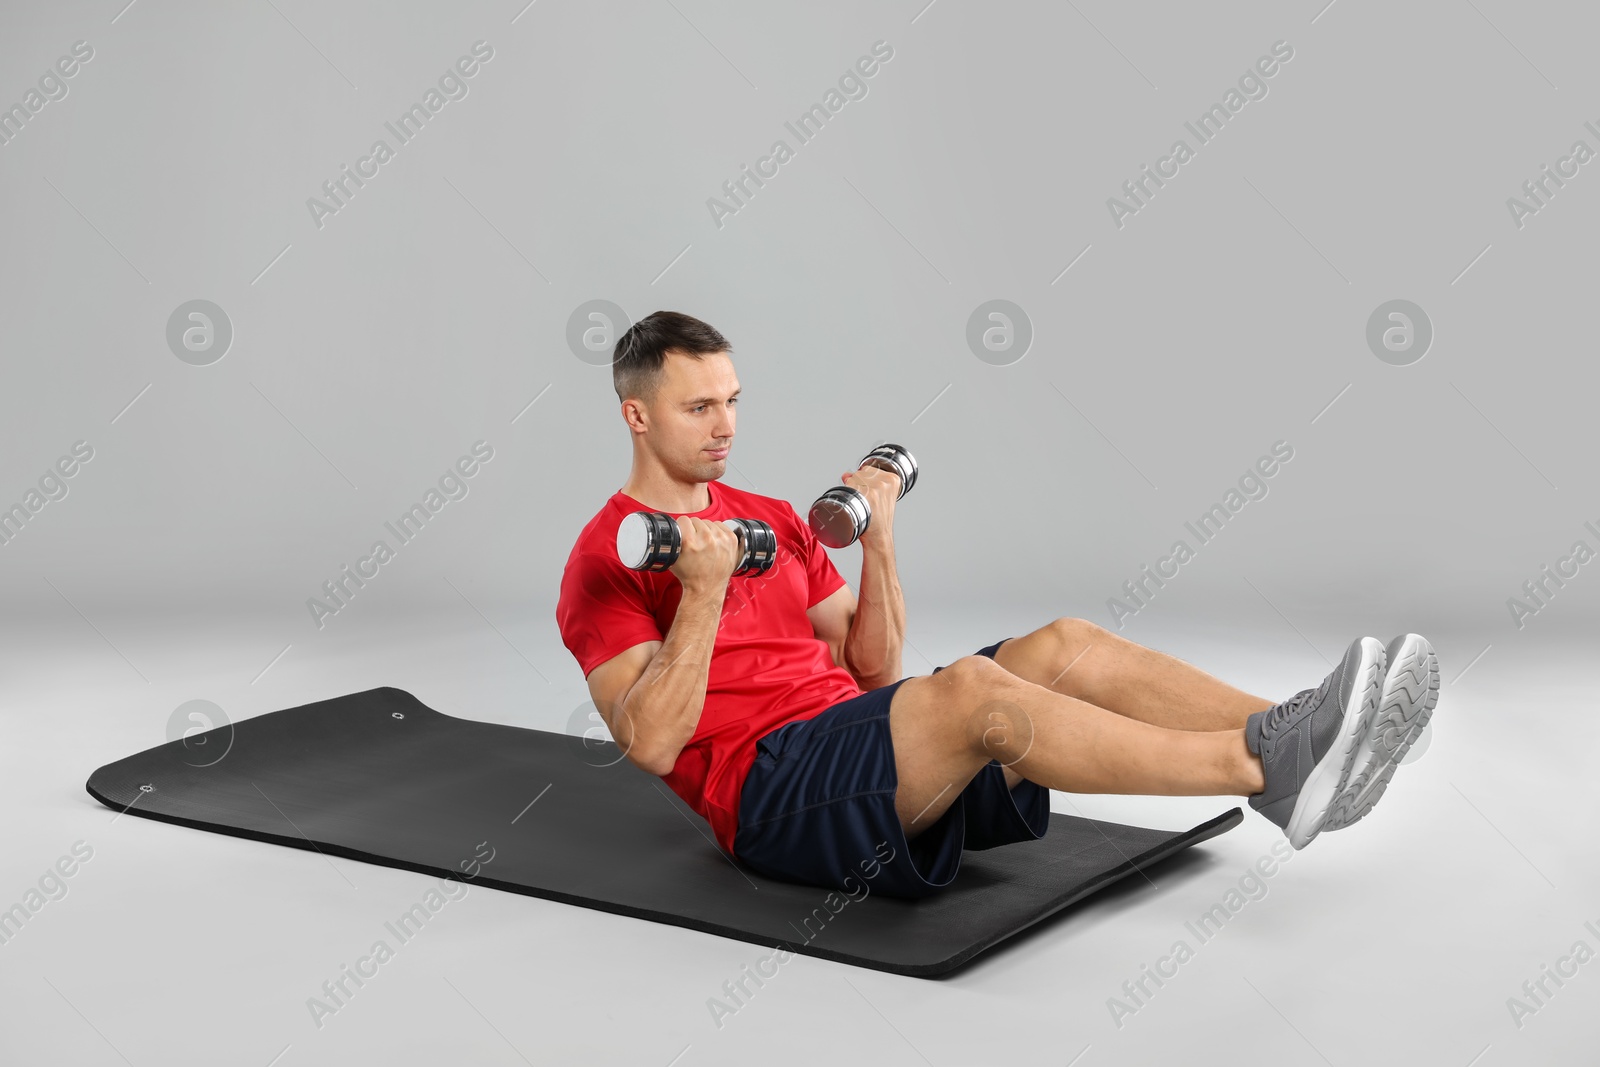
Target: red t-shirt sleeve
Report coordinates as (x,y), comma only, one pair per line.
(602,610)
(822,577)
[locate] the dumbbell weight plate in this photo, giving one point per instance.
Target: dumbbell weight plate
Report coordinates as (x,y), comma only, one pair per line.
(839,516)
(759,542)
(648,541)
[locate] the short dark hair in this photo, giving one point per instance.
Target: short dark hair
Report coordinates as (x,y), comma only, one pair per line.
(639,354)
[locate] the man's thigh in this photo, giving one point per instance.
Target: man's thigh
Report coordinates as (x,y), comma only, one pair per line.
(1042,656)
(939,732)
(932,758)
(935,721)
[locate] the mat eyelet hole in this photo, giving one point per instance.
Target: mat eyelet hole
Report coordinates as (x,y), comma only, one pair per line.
(397,715)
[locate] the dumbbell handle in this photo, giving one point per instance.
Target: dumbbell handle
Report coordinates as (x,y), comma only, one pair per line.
(651,541)
(841,515)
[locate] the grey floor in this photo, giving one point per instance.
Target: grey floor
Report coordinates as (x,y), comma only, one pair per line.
(1399,940)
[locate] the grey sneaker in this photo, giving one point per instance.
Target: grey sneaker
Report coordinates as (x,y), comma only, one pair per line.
(1410,691)
(1307,744)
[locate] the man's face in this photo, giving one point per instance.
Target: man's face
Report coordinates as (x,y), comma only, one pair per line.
(693,415)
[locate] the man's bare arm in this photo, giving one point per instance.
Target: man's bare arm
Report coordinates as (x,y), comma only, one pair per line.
(652,710)
(659,713)
(877,631)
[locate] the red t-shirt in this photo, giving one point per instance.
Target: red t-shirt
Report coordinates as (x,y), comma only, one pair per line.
(768,667)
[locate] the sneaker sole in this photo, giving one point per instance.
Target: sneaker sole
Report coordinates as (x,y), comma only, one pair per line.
(1327,781)
(1410,692)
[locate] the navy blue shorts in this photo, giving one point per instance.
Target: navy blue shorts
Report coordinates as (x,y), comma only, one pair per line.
(818,806)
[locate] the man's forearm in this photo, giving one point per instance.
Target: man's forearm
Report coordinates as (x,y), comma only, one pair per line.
(877,633)
(661,711)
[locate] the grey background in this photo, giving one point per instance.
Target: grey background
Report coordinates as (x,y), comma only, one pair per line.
(431,311)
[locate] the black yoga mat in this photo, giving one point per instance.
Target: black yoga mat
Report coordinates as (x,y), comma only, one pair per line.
(381,777)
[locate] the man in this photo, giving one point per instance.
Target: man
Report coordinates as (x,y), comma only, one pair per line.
(774,706)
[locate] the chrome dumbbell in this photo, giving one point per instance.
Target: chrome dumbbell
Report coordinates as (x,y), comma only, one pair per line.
(651,541)
(841,515)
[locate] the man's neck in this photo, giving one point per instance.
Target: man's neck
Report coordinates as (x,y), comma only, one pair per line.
(674,498)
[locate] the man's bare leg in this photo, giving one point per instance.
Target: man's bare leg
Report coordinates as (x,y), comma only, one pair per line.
(1077,658)
(947,726)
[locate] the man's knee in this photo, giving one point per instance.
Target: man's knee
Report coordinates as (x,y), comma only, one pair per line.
(983,705)
(974,672)
(955,690)
(1072,669)
(1077,634)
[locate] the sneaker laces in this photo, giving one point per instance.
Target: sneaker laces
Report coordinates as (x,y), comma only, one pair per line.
(1282,713)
